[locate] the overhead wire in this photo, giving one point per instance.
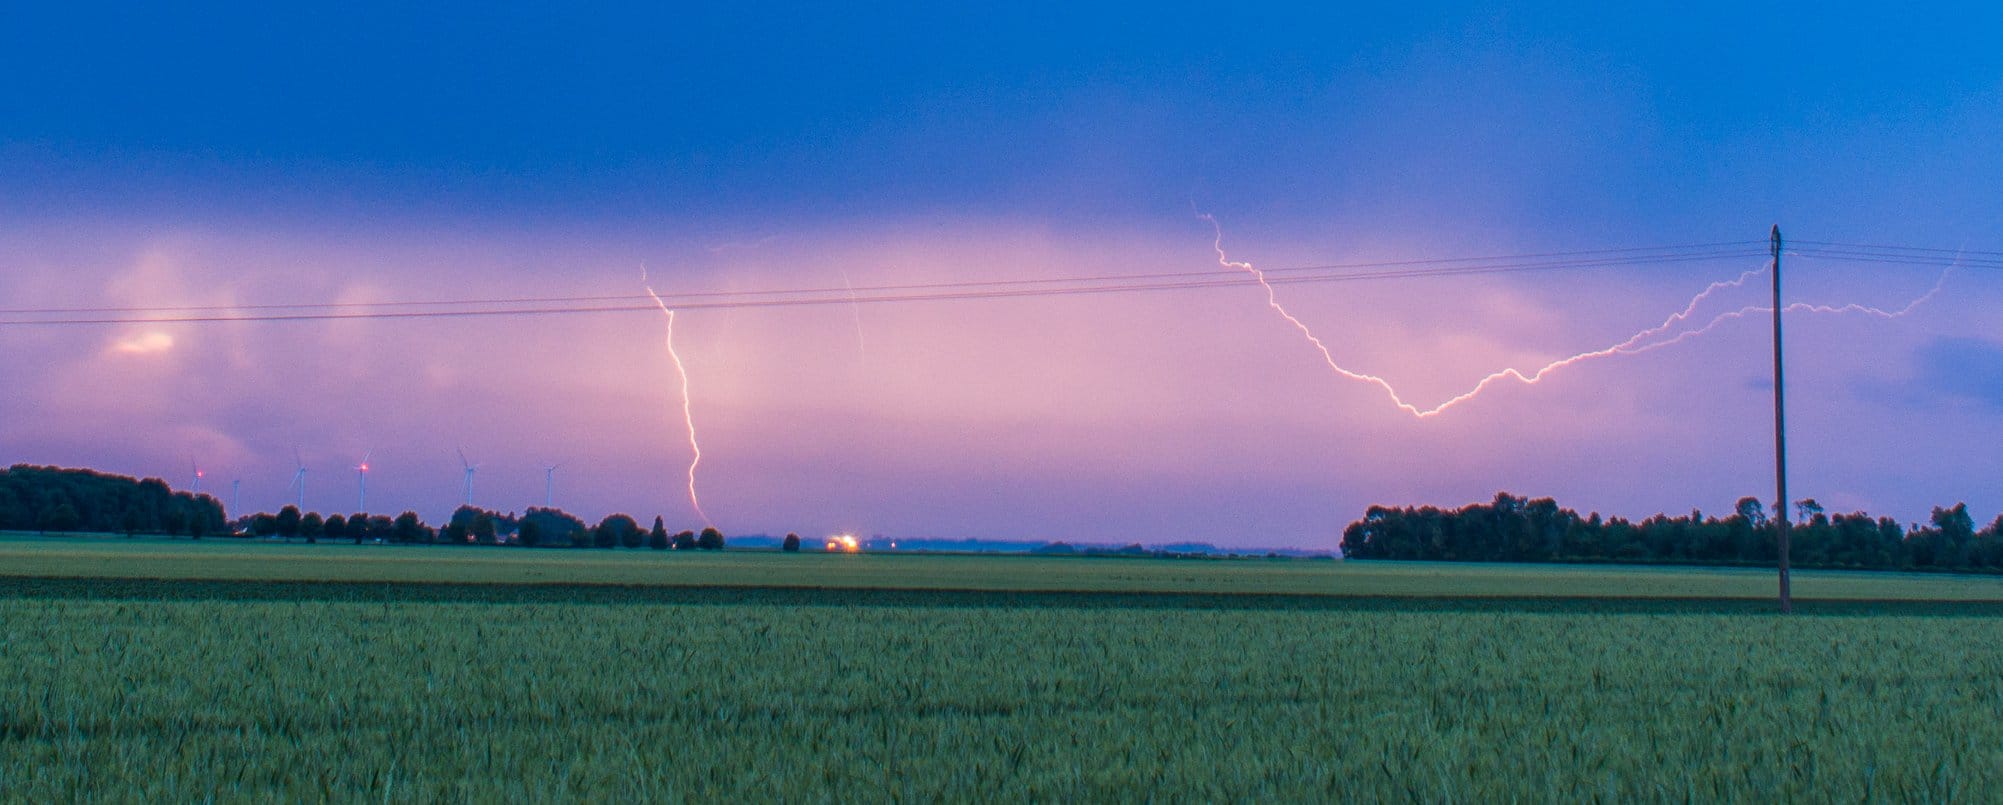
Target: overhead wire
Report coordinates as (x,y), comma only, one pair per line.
(916,292)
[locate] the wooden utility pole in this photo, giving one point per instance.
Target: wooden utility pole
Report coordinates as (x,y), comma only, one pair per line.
(1780,435)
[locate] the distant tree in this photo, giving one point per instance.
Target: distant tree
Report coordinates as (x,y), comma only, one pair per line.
(60,517)
(792,544)
(409,527)
(1806,509)
(129,523)
(484,531)
(555,526)
(173,522)
(358,527)
(335,527)
(657,538)
(617,529)
(685,541)
(381,528)
(288,522)
(1957,535)
(1754,512)
(634,538)
(528,534)
(711,539)
(311,526)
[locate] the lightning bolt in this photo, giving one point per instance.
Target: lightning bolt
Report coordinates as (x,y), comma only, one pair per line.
(861,348)
(688,410)
(1636,344)
(1805,307)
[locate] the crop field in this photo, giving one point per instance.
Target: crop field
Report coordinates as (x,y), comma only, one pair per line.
(240,560)
(769,691)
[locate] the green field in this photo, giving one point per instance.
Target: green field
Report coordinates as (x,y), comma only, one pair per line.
(350,676)
(113,557)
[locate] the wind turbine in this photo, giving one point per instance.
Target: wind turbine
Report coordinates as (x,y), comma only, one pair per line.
(299,478)
(470,467)
(362,483)
(196,487)
(548,482)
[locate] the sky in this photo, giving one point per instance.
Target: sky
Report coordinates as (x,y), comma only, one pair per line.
(246,155)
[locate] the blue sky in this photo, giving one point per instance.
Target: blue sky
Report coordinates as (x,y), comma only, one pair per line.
(254,153)
(1546,117)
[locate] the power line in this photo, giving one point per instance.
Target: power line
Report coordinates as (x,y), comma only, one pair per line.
(1591,258)
(928,292)
(1927,260)
(1888,248)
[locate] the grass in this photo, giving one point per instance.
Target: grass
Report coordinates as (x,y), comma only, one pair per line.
(159,669)
(231,700)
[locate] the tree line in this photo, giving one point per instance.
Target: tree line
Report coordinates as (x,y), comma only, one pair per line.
(63,500)
(1514,529)
(36,498)
(538,527)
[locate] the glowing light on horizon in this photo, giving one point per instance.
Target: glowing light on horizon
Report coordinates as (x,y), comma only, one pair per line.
(688,408)
(1636,344)
(844,543)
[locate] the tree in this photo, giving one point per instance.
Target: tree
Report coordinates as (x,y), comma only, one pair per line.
(658,537)
(711,539)
(617,529)
(358,527)
(1957,535)
(288,522)
(1754,512)
(529,534)
(336,526)
(685,541)
(60,517)
(483,528)
(556,527)
(409,527)
(633,538)
(311,526)
(792,543)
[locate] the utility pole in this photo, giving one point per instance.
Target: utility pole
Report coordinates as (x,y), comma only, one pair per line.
(1780,435)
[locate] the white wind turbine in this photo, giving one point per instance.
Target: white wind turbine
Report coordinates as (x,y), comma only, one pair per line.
(362,483)
(470,468)
(548,483)
(299,479)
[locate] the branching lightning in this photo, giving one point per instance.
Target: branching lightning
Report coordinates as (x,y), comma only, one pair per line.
(688,409)
(1644,341)
(1803,307)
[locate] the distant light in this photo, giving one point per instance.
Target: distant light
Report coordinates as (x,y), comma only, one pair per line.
(844,543)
